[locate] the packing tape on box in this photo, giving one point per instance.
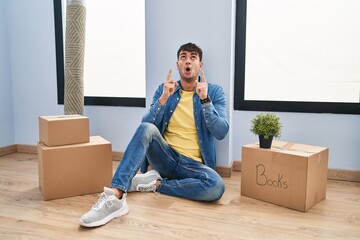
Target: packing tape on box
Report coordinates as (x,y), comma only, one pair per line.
(287,146)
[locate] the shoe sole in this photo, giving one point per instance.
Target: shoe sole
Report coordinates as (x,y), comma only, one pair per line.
(119,213)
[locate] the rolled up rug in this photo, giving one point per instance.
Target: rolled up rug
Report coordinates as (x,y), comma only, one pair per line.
(74,57)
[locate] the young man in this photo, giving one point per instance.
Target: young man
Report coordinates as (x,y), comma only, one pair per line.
(176,137)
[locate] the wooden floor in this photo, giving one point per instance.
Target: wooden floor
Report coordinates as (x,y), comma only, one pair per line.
(24,215)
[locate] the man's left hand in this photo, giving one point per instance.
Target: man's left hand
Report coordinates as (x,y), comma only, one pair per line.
(202,87)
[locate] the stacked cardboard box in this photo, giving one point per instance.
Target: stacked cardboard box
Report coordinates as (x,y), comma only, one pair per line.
(71,163)
(63,130)
(289,174)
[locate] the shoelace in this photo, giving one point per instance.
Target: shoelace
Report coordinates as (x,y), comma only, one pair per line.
(149,187)
(104,199)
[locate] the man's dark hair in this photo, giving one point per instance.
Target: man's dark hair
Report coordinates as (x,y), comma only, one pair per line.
(190,47)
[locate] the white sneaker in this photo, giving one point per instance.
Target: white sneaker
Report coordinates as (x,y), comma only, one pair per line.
(107,208)
(145,182)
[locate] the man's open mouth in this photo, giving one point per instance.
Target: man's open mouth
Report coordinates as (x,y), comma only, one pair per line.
(187,69)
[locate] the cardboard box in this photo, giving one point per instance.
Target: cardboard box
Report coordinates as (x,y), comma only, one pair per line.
(73,170)
(63,130)
(289,174)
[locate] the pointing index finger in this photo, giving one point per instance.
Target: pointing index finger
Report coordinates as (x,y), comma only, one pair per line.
(169,75)
(203,76)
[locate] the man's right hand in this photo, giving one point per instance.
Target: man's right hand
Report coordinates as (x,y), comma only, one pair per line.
(169,88)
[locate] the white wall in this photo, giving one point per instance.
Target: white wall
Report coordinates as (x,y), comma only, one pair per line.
(207,23)
(6,105)
(169,24)
(32,61)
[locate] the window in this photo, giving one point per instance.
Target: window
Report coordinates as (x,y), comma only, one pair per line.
(298,56)
(114,64)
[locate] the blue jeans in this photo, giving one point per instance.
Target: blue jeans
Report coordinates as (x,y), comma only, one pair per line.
(182,176)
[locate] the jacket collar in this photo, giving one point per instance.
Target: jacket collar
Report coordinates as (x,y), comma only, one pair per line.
(179,88)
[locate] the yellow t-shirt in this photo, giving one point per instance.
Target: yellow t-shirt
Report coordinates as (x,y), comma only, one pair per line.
(180,133)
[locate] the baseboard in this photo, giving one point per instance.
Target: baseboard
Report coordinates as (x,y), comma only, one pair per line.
(8,150)
(21,148)
(224,171)
(344,175)
(237,166)
(333,174)
(117,156)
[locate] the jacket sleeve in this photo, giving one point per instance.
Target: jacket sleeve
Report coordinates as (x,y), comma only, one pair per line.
(215,114)
(154,115)
(156,112)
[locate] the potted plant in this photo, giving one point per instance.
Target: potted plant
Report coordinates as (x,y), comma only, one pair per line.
(266,126)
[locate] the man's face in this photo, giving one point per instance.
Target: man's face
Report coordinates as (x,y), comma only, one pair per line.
(189,65)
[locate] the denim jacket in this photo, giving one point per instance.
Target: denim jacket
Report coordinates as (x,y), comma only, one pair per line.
(210,119)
